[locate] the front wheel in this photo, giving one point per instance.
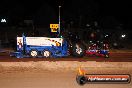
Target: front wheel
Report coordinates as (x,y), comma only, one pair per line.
(106,55)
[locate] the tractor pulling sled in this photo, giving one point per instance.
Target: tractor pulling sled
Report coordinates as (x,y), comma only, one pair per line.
(51,47)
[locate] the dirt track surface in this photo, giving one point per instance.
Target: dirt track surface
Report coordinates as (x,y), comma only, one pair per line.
(25,64)
(57,79)
(60,72)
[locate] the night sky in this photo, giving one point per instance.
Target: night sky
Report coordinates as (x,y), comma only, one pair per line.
(44,12)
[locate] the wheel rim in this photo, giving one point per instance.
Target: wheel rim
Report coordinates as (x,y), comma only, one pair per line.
(46,54)
(78,49)
(34,53)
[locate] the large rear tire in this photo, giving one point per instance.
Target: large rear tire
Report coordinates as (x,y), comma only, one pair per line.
(78,50)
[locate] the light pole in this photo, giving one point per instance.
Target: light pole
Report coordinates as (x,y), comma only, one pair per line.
(59,20)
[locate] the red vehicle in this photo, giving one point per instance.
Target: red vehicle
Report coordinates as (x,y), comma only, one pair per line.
(95,49)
